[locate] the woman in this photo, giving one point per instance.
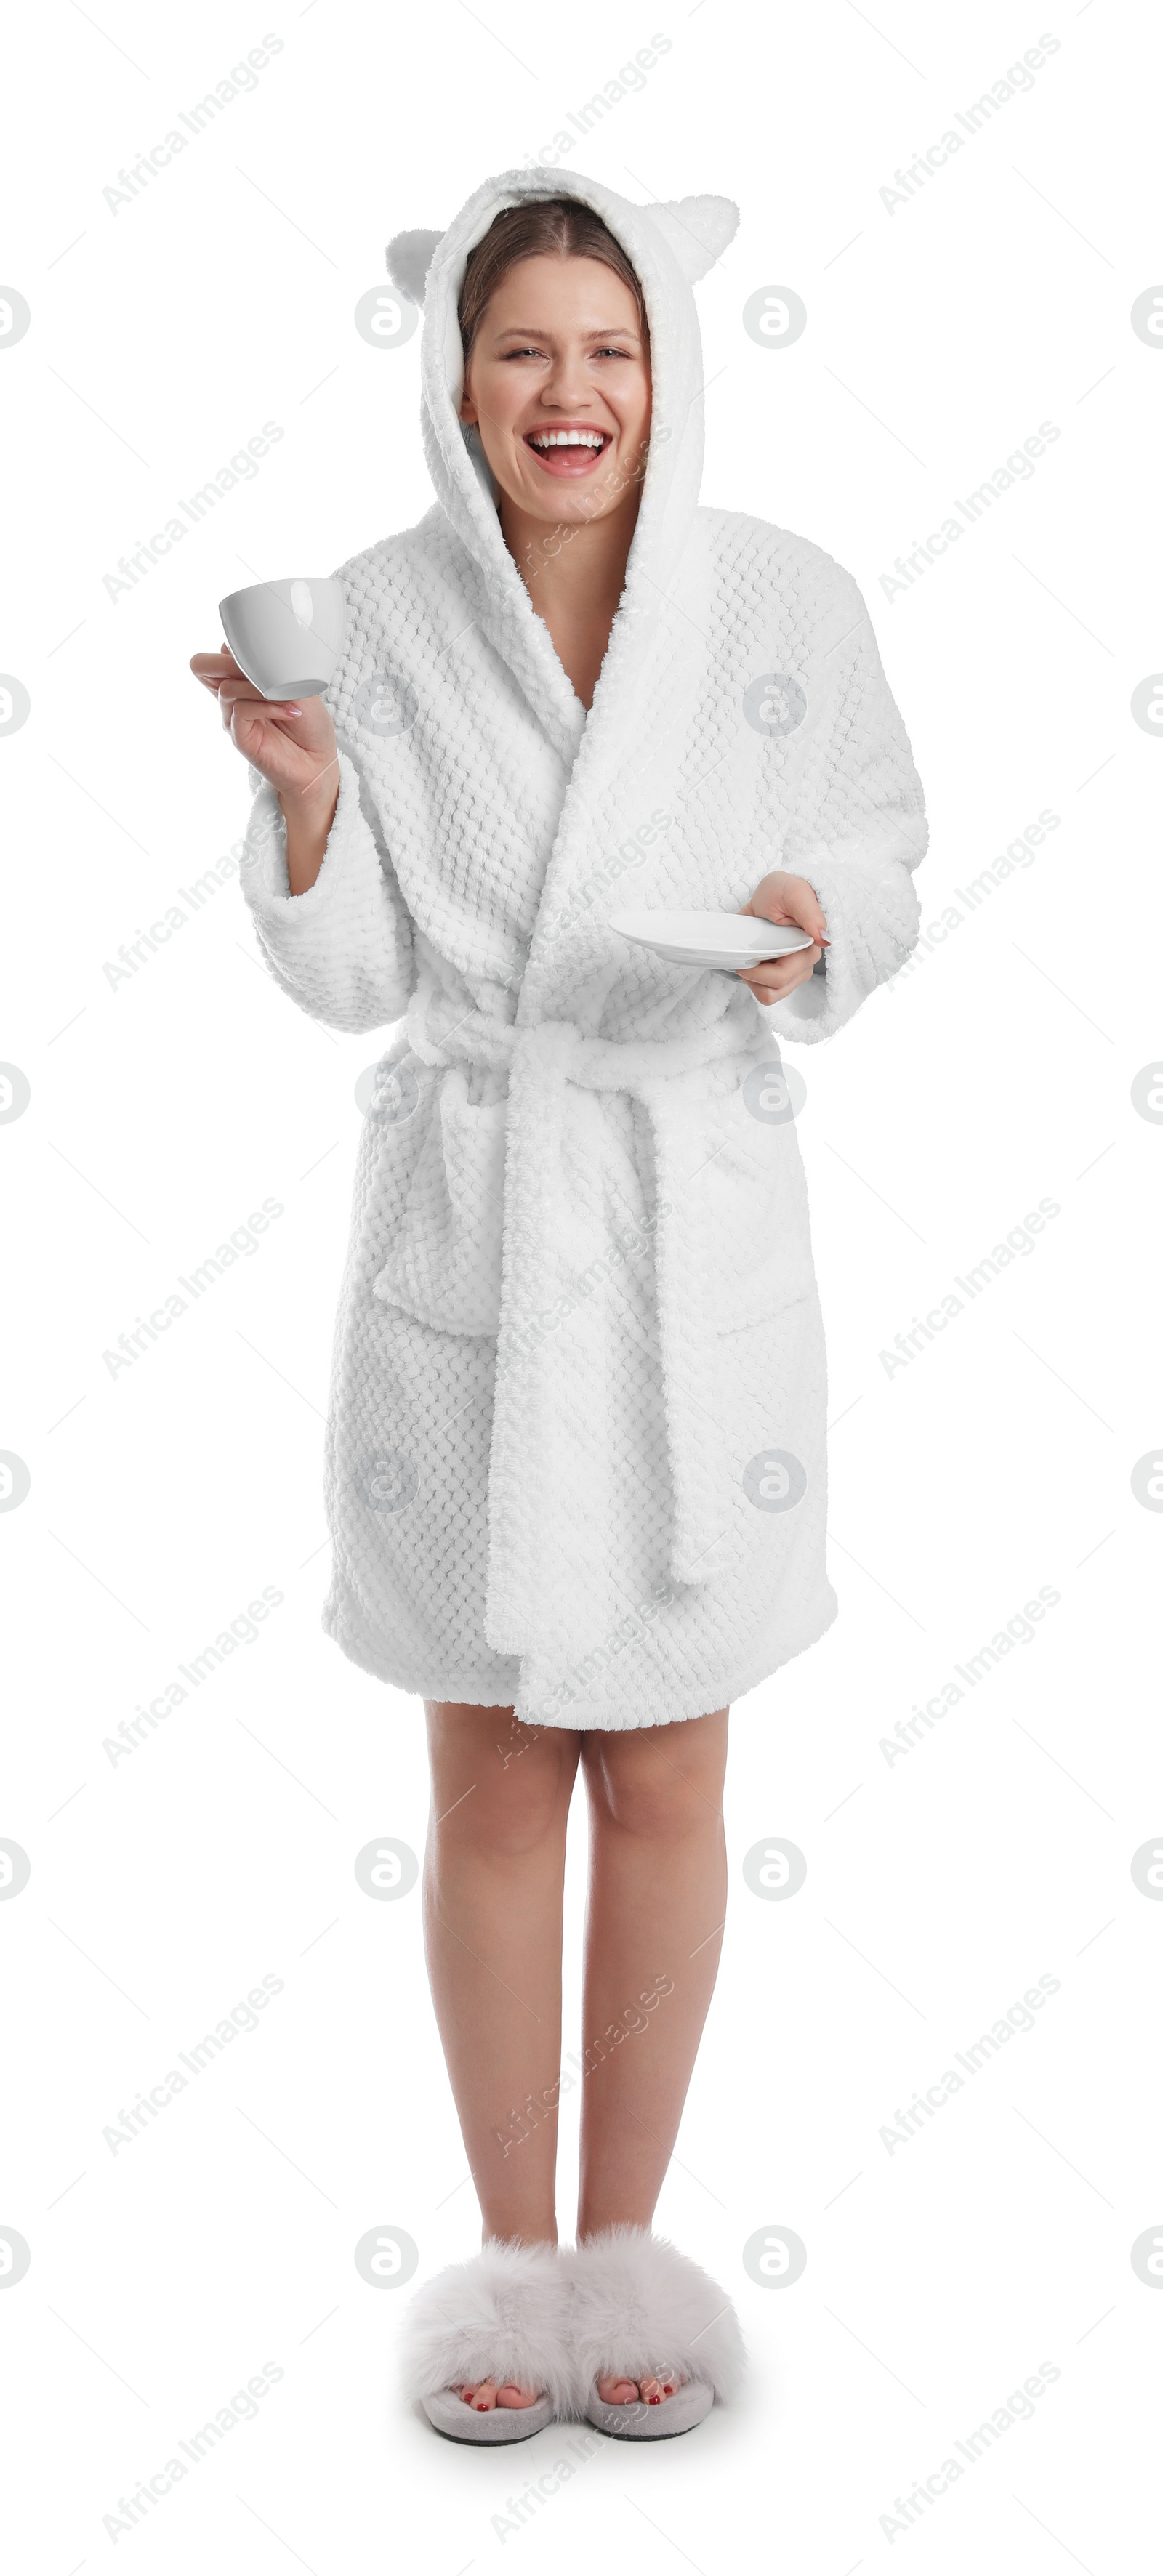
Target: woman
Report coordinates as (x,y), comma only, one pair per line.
(575,1453)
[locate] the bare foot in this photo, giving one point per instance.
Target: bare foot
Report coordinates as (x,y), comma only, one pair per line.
(486,2393)
(624,2392)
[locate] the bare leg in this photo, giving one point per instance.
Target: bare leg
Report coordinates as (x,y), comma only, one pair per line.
(657,1901)
(493,1882)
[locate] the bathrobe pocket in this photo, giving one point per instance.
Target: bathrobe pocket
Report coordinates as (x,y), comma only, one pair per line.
(759,1242)
(444,1255)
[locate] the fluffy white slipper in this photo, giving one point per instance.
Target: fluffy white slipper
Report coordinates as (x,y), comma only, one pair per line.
(501,2316)
(643,2310)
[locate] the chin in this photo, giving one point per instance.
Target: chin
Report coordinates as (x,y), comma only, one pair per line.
(561,504)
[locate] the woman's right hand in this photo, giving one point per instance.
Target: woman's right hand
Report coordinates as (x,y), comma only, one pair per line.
(291,742)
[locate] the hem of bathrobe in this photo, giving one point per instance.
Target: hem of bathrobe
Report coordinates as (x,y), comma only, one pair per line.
(342,1619)
(725,1692)
(583,1716)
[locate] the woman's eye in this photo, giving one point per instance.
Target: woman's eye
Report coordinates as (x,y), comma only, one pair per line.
(530,352)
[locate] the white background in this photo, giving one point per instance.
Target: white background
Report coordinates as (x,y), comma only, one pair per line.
(164,1107)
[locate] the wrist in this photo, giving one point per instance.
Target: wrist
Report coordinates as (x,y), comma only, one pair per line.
(313,805)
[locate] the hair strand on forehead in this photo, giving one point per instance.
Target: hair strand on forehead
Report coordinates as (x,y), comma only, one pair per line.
(548,226)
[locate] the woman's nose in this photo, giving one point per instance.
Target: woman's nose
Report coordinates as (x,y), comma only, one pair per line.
(568,385)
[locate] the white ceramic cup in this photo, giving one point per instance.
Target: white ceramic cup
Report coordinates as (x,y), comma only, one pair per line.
(286,635)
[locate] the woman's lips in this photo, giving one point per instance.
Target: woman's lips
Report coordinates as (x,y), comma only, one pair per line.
(568,463)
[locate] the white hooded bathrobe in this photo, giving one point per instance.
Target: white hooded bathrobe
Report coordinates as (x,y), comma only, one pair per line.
(575,1456)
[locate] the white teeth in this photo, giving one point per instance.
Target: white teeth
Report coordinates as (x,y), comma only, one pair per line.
(568,438)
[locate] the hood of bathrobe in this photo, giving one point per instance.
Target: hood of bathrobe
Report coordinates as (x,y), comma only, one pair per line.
(670,246)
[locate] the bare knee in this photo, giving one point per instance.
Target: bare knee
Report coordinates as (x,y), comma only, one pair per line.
(663,1783)
(499,1789)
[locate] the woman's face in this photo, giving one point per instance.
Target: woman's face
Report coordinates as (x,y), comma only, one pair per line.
(559,348)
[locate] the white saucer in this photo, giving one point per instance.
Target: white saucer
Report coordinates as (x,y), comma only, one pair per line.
(726,939)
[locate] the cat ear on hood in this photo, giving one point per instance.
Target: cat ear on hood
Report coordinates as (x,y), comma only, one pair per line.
(408,258)
(697,230)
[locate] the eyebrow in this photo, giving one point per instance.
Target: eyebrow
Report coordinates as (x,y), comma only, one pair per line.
(594,331)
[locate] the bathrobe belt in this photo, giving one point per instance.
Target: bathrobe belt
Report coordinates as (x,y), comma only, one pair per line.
(551,1581)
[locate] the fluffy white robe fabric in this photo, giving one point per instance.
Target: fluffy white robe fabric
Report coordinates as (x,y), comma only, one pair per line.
(575,1455)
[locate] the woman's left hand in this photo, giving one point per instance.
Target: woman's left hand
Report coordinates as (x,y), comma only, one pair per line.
(783,898)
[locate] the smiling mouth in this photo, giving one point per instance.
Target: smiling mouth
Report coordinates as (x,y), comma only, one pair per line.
(568,452)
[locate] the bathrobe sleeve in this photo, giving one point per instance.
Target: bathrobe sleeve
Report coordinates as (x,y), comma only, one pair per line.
(344,950)
(860,829)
